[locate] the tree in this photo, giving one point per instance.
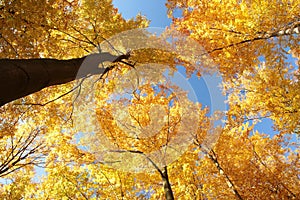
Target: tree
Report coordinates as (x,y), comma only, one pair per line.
(253,53)
(26,38)
(120,152)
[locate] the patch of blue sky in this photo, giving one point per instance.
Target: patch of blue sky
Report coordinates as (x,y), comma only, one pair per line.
(196,87)
(40,172)
(155,10)
(145,194)
(264,126)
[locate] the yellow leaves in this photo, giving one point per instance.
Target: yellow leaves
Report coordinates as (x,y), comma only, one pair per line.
(52,29)
(136,115)
(72,27)
(250,162)
(227,54)
(19,184)
(148,125)
(267,92)
(230,30)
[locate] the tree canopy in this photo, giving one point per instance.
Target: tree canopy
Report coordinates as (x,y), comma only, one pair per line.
(87,111)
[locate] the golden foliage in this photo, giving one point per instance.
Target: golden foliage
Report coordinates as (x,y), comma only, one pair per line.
(244,39)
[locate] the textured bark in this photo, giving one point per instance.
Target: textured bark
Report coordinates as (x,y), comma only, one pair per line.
(21,77)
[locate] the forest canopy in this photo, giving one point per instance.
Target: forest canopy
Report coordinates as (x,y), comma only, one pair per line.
(88,109)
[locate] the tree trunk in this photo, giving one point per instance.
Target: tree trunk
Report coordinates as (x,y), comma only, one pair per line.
(167,186)
(21,77)
(212,156)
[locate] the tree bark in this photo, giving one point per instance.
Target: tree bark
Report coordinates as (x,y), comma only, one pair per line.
(21,77)
(164,175)
(167,186)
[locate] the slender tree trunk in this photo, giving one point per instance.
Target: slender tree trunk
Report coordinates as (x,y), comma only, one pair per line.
(229,182)
(167,186)
(21,77)
(165,178)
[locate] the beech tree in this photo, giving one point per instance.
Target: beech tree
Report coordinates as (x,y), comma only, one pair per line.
(102,122)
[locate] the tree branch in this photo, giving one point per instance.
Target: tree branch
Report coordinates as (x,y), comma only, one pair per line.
(293,28)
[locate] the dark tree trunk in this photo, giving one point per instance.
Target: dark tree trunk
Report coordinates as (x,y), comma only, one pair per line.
(21,77)
(167,186)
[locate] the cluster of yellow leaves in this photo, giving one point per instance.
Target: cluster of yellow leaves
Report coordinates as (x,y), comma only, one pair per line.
(268,92)
(138,116)
(140,110)
(254,164)
(259,73)
(236,33)
(58,28)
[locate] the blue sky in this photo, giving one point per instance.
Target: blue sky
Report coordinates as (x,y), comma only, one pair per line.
(155,10)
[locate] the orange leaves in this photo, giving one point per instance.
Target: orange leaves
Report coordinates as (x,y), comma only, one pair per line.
(252,164)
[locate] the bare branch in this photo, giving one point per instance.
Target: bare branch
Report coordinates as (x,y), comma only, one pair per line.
(23,152)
